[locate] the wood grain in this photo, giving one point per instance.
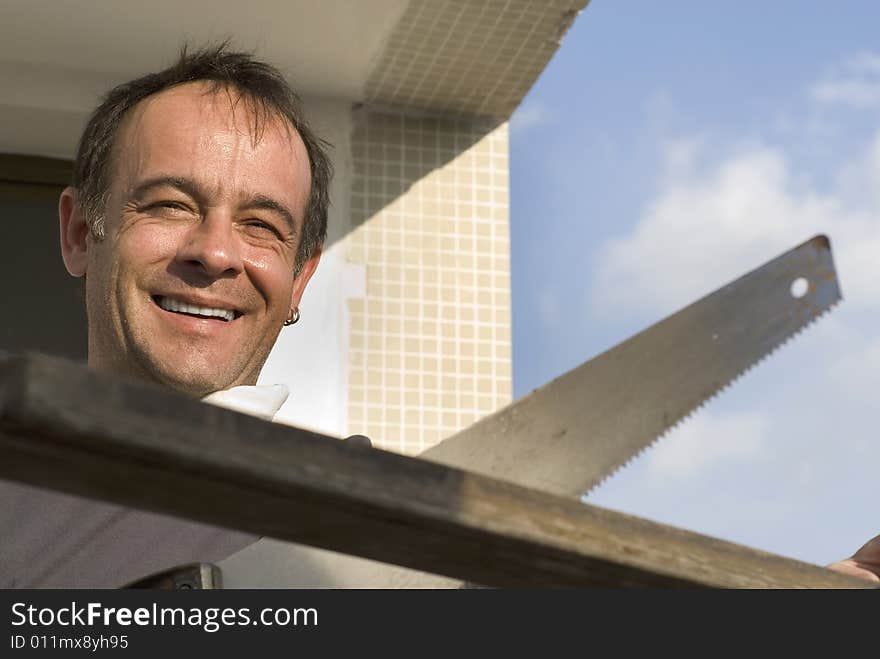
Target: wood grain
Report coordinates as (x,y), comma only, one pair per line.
(65,427)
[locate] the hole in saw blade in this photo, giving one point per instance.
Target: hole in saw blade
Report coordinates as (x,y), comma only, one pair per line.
(799,287)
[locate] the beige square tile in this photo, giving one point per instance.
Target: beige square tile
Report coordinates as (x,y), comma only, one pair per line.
(425,250)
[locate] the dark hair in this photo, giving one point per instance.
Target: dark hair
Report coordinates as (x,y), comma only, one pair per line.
(258,83)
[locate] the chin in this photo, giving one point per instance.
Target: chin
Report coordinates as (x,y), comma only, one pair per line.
(192,380)
(194,386)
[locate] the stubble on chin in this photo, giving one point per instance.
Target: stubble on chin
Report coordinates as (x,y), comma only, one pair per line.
(132,347)
(189,376)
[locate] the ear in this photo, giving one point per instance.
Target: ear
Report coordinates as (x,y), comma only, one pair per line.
(74,233)
(299,284)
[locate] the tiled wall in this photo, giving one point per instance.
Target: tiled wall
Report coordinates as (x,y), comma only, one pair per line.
(430,343)
(469,57)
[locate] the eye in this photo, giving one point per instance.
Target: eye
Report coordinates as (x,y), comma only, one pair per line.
(169,207)
(262,228)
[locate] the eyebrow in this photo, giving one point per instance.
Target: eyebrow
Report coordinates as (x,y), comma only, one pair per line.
(190,187)
(261,201)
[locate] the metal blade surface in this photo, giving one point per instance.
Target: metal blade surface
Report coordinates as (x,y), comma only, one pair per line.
(573,432)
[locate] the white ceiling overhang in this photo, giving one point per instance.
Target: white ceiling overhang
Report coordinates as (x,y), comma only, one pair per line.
(58,58)
(450,57)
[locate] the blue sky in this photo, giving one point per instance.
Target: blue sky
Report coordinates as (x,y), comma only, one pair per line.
(699,140)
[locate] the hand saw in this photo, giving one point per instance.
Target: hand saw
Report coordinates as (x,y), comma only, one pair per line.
(573,432)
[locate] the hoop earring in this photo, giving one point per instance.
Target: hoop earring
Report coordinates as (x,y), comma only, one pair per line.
(292,317)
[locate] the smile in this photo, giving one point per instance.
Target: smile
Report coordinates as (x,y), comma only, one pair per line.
(179,306)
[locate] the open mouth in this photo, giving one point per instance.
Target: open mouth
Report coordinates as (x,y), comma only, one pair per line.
(179,306)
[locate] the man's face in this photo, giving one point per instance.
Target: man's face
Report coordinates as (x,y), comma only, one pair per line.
(194,279)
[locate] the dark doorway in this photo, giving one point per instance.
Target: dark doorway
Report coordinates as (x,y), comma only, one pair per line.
(43,306)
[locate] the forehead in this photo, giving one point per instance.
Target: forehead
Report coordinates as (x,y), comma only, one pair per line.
(215,137)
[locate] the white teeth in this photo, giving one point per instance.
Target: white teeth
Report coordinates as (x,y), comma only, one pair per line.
(170,304)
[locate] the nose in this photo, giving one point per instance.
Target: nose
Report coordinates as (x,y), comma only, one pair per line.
(212,247)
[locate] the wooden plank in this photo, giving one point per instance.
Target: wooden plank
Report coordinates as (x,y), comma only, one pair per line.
(67,428)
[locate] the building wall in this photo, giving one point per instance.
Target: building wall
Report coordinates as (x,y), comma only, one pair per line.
(405,330)
(405,335)
(430,339)
(311,357)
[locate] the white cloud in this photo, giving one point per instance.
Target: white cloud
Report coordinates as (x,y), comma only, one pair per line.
(790,451)
(857,372)
(704,229)
(854,92)
(528,115)
(855,84)
(707,440)
(865,62)
(681,158)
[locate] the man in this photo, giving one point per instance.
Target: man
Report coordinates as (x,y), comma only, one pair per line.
(197,217)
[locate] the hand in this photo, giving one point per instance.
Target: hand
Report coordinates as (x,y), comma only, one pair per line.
(865,563)
(361,441)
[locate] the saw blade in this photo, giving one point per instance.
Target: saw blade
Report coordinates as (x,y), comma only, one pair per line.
(575,431)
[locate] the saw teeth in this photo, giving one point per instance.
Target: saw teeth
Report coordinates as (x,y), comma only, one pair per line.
(642,452)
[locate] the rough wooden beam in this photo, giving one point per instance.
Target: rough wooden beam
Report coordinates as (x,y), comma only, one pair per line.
(67,428)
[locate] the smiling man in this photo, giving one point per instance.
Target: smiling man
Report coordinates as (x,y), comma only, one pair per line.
(197,215)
